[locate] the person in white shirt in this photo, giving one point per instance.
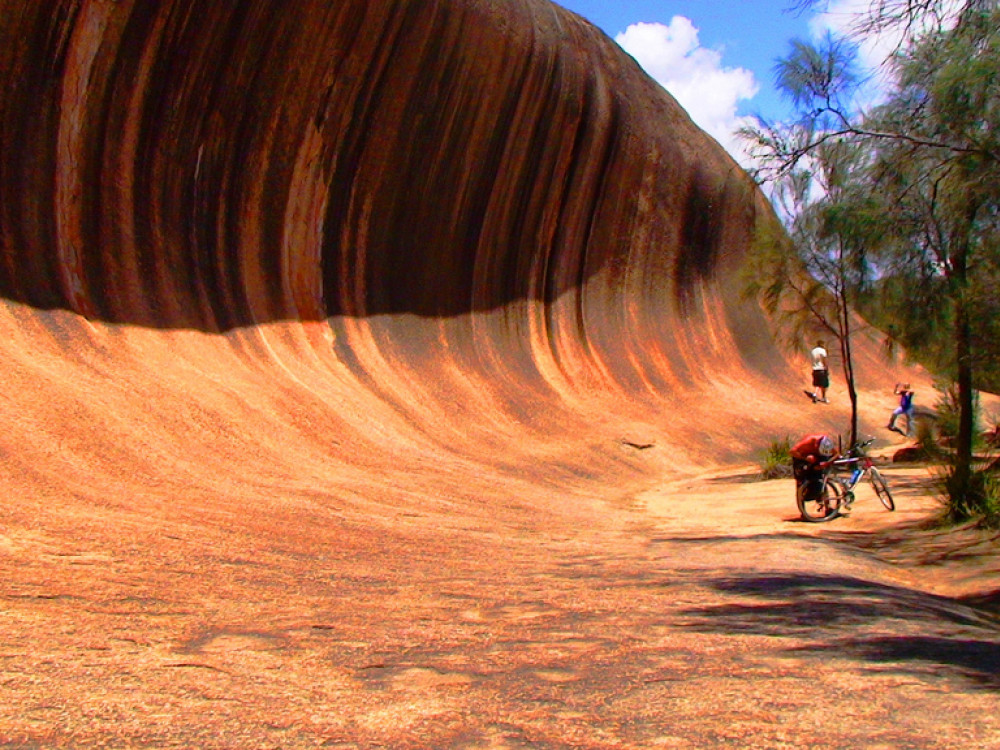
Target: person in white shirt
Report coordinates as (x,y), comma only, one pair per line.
(820,373)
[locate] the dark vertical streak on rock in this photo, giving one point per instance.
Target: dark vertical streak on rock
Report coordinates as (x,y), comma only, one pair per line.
(34,54)
(706,207)
(228,164)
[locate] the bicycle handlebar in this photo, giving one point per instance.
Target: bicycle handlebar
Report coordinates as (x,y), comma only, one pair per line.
(858,448)
(853,455)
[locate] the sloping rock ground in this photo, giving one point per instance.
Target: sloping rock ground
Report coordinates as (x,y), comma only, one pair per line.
(377,375)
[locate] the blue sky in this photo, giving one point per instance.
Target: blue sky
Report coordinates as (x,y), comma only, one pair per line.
(748,34)
(715,56)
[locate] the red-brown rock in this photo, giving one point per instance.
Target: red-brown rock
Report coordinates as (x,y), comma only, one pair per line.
(339,341)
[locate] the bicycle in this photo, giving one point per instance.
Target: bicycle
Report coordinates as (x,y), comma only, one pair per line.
(863,466)
(818,497)
(822,496)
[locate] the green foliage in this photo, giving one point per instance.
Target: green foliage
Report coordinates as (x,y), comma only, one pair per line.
(914,316)
(979,502)
(777,460)
(926,438)
(777,276)
(986,319)
(909,213)
(976,498)
(770,264)
(948,411)
(817,76)
(808,280)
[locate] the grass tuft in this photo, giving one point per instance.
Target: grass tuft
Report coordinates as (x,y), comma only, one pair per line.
(980,504)
(777,460)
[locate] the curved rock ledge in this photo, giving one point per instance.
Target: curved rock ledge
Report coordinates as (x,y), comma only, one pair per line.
(363,363)
(317,243)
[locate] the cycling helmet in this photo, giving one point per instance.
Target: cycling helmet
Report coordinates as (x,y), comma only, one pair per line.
(826,447)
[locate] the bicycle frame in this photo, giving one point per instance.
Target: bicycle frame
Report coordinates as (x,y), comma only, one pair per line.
(828,496)
(863,466)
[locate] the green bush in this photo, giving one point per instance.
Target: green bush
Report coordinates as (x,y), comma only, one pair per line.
(982,501)
(948,412)
(926,438)
(777,460)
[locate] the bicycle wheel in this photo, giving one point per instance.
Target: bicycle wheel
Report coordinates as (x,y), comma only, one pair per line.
(819,502)
(881,489)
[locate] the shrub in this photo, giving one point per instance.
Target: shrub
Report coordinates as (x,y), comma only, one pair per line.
(777,460)
(982,501)
(926,439)
(948,412)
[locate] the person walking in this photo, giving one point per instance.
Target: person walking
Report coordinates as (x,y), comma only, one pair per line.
(905,408)
(820,373)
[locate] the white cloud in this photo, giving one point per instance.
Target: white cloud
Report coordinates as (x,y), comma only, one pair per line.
(694,75)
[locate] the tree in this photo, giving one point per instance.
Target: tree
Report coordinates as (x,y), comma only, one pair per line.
(813,282)
(822,80)
(929,186)
(941,201)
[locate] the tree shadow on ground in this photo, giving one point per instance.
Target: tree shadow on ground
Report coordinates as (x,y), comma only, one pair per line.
(977,661)
(931,544)
(903,630)
(923,542)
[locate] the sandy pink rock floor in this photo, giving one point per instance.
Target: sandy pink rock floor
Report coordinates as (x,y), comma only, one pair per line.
(699,612)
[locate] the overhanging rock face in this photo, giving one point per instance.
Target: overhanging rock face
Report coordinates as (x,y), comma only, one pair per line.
(477,219)
(366,371)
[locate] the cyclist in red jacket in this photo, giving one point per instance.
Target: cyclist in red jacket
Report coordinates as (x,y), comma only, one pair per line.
(814,449)
(811,456)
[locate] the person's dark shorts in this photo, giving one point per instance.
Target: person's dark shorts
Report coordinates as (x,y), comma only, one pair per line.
(821,379)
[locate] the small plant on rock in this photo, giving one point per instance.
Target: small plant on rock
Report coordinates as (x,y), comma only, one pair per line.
(777,460)
(948,413)
(981,503)
(927,440)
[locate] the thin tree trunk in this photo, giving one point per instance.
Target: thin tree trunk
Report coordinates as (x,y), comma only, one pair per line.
(851,390)
(844,312)
(966,406)
(961,480)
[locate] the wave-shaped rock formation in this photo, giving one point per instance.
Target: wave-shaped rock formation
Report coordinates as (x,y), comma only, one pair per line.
(347,246)
(326,328)
(252,238)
